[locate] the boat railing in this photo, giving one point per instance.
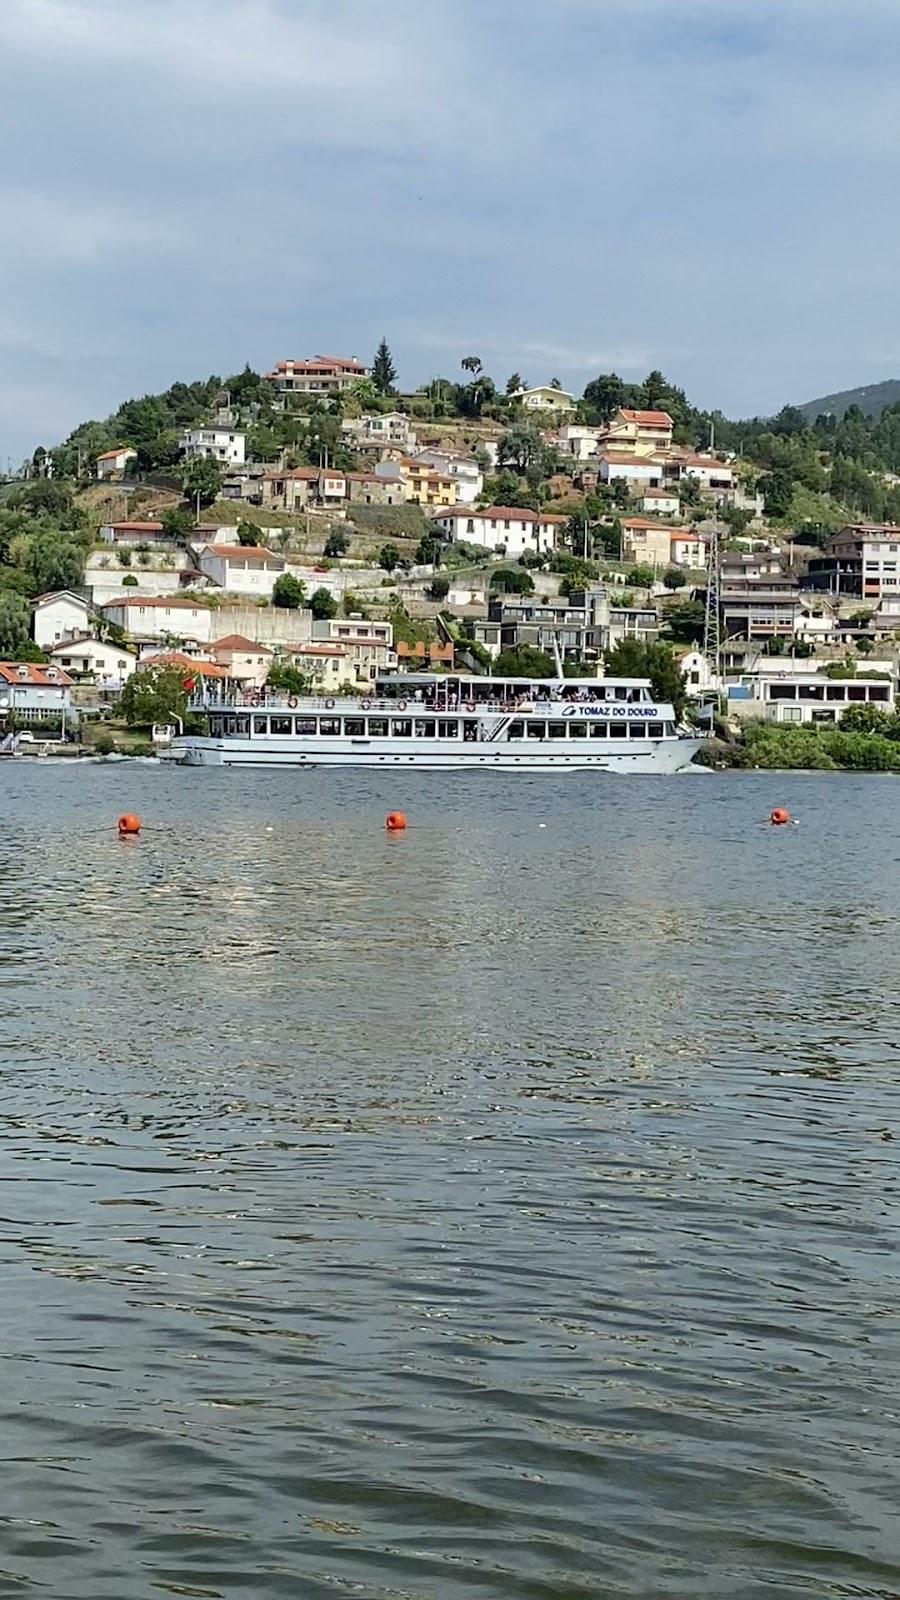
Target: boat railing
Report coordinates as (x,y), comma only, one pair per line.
(260,700)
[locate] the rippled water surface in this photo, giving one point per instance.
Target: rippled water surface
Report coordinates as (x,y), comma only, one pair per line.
(495,1212)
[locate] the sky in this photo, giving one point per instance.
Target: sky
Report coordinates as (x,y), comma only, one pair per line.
(561,187)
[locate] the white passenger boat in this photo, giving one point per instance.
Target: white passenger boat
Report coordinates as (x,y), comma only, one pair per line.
(419,720)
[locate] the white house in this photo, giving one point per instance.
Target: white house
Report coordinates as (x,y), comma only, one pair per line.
(222,443)
(805,697)
(31,693)
(246,662)
(514,529)
(709,472)
(242,568)
(579,440)
(108,665)
(637,471)
(687,548)
(147,616)
(59,615)
(659,502)
(468,479)
(544,397)
(696,670)
(131,533)
(113,462)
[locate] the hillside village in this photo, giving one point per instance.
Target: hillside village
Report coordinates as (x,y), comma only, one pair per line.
(312,527)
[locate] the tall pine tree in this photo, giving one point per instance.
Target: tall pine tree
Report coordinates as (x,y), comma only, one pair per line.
(383,370)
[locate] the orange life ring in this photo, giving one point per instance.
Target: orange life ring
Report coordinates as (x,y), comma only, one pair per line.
(366,705)
(401,705)
(329,705)
(470,705)
(293,703)
(254,698)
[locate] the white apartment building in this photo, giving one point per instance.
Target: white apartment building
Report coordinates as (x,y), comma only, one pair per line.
(512,529)
(147,616)
(223,444)
(805,697)
(242,568)
(59,615)
(316,375)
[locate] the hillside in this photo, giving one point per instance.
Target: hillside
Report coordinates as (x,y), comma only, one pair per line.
(871,400)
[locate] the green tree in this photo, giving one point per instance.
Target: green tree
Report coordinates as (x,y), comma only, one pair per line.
(178,524)
(778,490)
(674,578)
(15,622)
(428,551)
(868,719)
(604,395)
(202,480)
(336,544)
(512,580)
(383,370)
(639,577)
(389,557)
(522,448)
(633,659)
(154,694)
(54,562)
(684,623)
(525,661)
(515,382)
(288,592)
(439,588)
(288,678)
(130,581)
(472,364)
(323,605)
(248,533)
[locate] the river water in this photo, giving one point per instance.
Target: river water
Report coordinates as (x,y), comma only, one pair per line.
(502,1211)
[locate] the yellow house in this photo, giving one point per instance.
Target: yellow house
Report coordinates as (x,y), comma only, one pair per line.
(421,482)
(544,397)
(326,664)
(638,433)
(646,541)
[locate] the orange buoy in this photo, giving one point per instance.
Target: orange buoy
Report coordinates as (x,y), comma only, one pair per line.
(395,821)
(779,817)
(129,825)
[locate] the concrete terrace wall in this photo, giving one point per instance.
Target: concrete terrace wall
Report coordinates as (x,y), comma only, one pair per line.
(269,625)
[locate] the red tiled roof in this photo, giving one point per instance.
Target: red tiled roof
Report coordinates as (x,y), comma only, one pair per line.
(307,474)
(251,552)
(177,658)
(135,527)
(316,649)
(642,524)
(123,450)
(692,538)
(237,642)
(501,513)
(35,676)
(650,419)
(135,598)
(619,458)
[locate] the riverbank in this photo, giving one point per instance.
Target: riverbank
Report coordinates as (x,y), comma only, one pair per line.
(810,747)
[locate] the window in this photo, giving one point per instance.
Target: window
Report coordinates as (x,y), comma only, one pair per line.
(354,727)
(282,725)
(378,727)
(637,730)
(654,730)
(424,727)
(535,730)
(517,729)
(240,727)
(836,691)
(556,730)
(330,727)
(215,727)
(306,726)
(401,727)
(448,728)
(578,730)
(599,730)
(260,724)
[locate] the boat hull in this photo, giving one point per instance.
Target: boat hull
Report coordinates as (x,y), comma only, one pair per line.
(654,756)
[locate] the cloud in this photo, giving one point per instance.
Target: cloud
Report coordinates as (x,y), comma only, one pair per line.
(699,185)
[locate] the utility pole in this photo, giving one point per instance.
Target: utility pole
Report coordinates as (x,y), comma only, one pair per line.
(712,639)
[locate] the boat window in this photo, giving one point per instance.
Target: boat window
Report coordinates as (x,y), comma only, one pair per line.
(240,727)
(448,728)
(306,725)
(556,730)
(401,727)
(517,729)
(599,730)
(669,728)
(621,693)
(282,725)
(377,728)
(354,727)
(215,727)
(330,726)
(577,730)
(535,730)
(654,730)
(260,724)
(424,727)
(637,730)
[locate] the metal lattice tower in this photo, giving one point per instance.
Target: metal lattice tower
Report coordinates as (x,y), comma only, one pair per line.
(712,635)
